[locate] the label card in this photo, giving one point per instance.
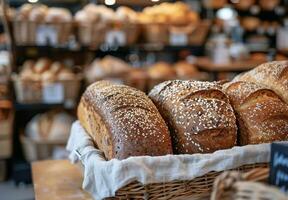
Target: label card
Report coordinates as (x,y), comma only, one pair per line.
(46,35)
(279,166)
(178,39)
(53,93)
(115,38)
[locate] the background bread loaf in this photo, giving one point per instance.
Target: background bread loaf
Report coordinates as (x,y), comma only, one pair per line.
(123,121)
(262,115)
(198,114)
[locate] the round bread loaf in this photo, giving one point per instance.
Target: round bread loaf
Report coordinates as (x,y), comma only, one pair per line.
(261,114)
(123,121)
(199,115)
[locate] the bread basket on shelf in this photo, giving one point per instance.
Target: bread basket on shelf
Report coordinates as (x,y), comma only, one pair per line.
(91,34)
(41,33)
(163,177)
(155,33)
(6,128)
(235,185)
(31,91)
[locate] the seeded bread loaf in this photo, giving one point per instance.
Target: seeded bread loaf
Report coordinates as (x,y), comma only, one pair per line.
(123,121)
(261,114)
(273,75)
(199,115)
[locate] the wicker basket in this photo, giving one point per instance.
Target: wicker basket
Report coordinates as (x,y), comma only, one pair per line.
(243,186)
(131,32)
(6,126)
(28,91)
(199,188)
(155,33)
(25,32)
(91,34)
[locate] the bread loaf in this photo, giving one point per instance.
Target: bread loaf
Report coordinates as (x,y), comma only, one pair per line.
(198,114)
(273,75)
(261,114)
(123,121)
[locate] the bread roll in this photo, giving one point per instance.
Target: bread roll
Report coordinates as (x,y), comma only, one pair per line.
(24,11)
(199,115)
(273,75)
(58,15)
(38,13)
(56,67)
(250,23)
(137,78)
(42,65)
(52,126)
(66,74)
(48,76)
(261,114)
(244,4)
(269,5)
(161,70)
(28,65)
(123,121)
(185,70)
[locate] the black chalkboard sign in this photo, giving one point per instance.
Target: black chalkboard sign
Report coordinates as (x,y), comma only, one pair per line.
(279,166)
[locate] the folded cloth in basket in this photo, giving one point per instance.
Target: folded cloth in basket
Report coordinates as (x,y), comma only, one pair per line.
(103,178)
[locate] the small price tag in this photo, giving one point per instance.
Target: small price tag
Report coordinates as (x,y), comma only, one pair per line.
(53,93)
(115,38)
(178,39)
(279,166)
(46,35)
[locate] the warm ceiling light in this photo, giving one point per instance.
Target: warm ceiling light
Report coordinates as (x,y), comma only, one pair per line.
(32,1)
(110,2)
(154,0)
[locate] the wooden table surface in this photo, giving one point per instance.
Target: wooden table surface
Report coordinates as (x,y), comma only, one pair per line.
(58,180)
(206,64)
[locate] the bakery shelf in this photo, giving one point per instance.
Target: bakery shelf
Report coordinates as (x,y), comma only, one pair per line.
(38,106)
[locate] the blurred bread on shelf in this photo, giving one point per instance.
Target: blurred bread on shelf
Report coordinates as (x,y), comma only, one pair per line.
(42,65)
(250,23)
(259,56)
(185,70)
(137,78)
(38,13)
(244,4)
(58,15)
(108,67)
(51,126)
(269,5)
(161,70)
(45,70)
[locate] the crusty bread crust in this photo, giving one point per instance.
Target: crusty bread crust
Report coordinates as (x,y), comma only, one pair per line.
(199,115)
(262,115)
(272,75)
(123,121)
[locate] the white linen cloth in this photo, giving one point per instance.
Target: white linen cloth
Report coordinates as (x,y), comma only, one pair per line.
(103,178)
